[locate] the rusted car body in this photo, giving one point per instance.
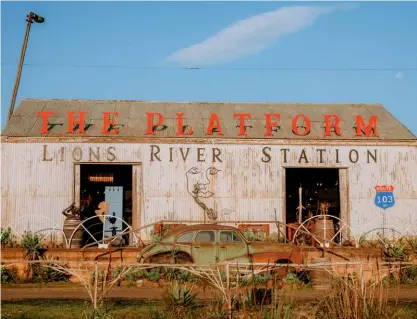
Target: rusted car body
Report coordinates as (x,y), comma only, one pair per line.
(210,244)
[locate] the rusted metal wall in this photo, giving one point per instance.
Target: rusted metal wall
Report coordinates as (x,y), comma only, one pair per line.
(241,186)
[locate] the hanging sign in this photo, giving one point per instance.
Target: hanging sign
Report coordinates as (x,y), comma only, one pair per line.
(384,197)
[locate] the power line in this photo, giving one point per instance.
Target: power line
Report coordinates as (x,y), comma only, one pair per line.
(144,67)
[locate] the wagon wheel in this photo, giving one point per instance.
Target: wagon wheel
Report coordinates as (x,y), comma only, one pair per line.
(304,232)
(29,221)
(381,237)
(97,232)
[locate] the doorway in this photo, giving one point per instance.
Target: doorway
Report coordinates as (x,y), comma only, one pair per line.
(105,189)
(311,186)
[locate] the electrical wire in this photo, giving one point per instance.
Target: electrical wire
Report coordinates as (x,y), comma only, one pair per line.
(144,67)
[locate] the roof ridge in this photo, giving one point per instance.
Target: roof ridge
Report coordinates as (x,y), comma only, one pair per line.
(203,102)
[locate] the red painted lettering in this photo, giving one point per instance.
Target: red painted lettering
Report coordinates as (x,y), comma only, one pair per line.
(307,123)
(150,115)
(214,123)
(180,129)
(241,116)
(331,121)
(72,121)
(271,124)
(361,128)
(109,125)
(44,115)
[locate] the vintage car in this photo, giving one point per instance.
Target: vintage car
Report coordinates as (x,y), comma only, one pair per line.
(210,244)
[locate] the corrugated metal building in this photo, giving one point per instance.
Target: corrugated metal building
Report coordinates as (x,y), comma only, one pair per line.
(171,175)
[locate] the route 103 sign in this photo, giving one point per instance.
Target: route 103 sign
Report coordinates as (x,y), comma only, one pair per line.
(384,197)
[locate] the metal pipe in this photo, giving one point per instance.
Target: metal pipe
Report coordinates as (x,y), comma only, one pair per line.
(19,70)
(30,18)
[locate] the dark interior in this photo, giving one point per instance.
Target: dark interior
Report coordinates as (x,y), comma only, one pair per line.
(94,179)
(317,184)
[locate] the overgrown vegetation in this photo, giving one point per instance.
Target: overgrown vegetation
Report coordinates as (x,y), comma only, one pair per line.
(408,275)
(99,313)
(9,275)
(179,299)
(6,236)
(260,235)
(350,300)
(32,245)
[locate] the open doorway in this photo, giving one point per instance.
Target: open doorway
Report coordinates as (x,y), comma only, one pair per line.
(316,185)
(105,187)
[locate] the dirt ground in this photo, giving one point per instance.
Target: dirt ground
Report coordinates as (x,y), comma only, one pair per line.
(78,292)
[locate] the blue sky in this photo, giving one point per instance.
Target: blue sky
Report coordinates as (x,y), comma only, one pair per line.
(138,51)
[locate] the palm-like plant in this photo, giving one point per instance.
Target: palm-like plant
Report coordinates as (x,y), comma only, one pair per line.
(181,298)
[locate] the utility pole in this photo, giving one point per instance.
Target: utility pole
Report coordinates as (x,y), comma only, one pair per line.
(29,19)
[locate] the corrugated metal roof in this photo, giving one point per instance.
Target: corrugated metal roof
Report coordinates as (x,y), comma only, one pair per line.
(132,119)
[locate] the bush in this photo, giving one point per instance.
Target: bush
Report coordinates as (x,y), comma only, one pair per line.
(182,276)
(408,275)
(99,313)
(6,235)
(292,279)
(9,275)
(32,245)
(180,299)
(254,235)
(45,273)
(153,275)
(131,276)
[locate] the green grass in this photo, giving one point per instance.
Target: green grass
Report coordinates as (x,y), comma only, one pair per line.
(74,309)
(128,309)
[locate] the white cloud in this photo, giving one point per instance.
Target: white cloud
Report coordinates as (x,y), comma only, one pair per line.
(251,35)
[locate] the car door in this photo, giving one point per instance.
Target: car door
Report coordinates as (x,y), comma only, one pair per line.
(204,248)
(232,246)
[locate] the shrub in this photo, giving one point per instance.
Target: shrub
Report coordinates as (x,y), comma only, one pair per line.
(98,313)
(396,252)
(349,301)
(180,299)
(47,274)
(32,245)
(6,235)
(255,235)
(131,276)
(276,238)
(9,275)
(408,275)
(182,276)
(154,275)
(292,279)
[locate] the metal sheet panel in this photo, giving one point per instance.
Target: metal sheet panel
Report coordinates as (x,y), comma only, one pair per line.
(241,186)
(196,114)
